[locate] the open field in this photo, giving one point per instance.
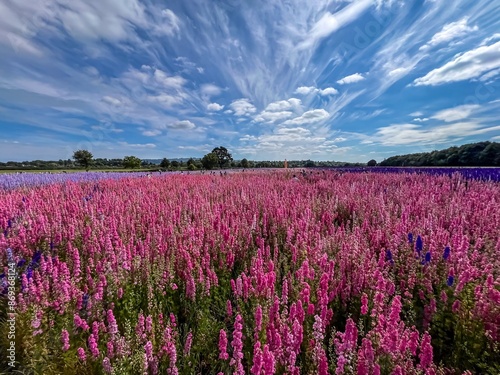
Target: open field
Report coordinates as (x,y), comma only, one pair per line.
(74,170)
(333,272)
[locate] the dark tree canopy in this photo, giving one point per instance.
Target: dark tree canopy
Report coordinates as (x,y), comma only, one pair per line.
(131,162)
(210,161)
(372,163)
(473,154)
(244,163)
(223,156)
(83,158)
(165,163)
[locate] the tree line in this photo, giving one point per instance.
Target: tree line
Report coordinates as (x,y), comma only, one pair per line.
(484,154)
(218,158)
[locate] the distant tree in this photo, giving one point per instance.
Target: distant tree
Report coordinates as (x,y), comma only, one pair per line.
(165,163)
(190,162)
(131,162)
(244,163)
(192,167)
(210,161)
(175,164)
(223,155)
(472,154)
(309,164)
(83,158)
(372,163)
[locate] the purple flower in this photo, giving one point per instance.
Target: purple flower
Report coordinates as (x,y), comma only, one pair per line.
(446,253)
(427,257)
(388,256)
(410,237)
(450,280)
(419,244)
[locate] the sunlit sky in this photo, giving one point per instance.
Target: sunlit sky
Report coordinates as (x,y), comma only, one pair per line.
(269,80)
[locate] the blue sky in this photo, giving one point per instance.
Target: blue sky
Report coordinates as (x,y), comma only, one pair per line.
(321,80)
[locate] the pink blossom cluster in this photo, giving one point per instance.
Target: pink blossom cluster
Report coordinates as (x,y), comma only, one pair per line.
(338,273)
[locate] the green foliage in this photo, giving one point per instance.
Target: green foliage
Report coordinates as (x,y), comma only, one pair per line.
(372,163)
(473,154)
(83,158)
(244,163)
(165,163)
(223,156)
(210,161)
(131,162)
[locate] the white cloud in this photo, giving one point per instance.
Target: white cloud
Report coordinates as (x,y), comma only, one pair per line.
(418,119)
(305,90)
(491,74)
(406,134)
(450,32)
(95,20)
(151,133)
(267,116)
(308,117)
(165,100)
(112,101)
(471,64)
(175,82)
(283,105)
(137,145)
(492,38)
(181,125)
(243,107)
(353,78)
(456,113)
(328,91)
(210,90)
(329,23)
(170,22)
(215,107)
(416,114)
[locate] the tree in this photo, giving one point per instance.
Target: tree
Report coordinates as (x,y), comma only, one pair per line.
(223,155)
(165,163)
(190,162)
(372,163)
(175,164)
(83,158)
(244,163)
(131,162)
(210,161)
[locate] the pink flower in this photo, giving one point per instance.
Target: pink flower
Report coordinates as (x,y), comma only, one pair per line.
(81,354)
(106,365)
(425,352)
(364,304)
(113,327)
(93,346)
(223,345)
(189,342)
(268,361)
(65,340)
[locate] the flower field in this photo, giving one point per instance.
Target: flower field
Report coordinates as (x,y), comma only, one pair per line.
(253,273)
